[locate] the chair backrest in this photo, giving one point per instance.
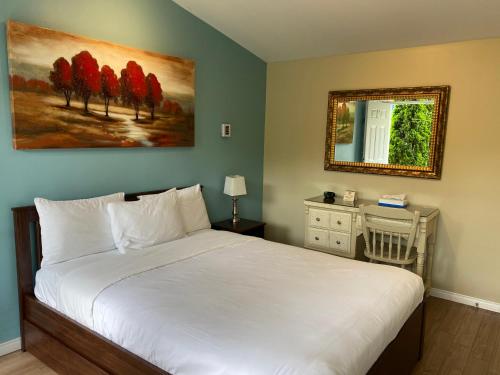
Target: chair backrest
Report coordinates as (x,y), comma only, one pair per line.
(389,232)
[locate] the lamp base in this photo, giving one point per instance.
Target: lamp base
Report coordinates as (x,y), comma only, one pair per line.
(236,217)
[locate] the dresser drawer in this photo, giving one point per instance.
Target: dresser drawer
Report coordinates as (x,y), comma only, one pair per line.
(340,241)
(319,218)
(340,221)
(318,237)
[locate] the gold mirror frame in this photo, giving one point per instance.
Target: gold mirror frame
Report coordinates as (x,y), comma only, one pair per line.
(440,95)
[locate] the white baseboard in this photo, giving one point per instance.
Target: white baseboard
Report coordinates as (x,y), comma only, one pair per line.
(10,346)
(466,300)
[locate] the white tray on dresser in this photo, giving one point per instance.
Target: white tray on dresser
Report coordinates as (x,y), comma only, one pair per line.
(333,226)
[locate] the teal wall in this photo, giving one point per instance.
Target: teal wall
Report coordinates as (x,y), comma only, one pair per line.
(230,87)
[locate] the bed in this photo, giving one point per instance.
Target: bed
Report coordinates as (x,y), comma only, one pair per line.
(216,303)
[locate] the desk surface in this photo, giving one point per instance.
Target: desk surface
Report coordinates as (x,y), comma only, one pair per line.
(424,211)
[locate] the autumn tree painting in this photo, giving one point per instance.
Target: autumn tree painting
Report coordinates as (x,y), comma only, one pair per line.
(72,91)
(62,79)
(133,86)
(110,86)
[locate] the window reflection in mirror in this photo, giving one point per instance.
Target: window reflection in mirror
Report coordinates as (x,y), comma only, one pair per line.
(385,131)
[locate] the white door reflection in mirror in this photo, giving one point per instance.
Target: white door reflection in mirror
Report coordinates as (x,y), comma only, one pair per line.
(378,132)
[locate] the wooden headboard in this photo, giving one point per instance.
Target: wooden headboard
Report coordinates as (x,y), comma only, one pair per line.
(29,245)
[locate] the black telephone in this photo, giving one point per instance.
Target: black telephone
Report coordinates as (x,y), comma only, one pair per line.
(329,195)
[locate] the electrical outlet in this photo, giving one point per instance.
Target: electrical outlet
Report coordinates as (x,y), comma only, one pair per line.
(226,130)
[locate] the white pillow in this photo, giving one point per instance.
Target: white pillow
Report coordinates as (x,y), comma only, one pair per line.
(144,223)
(71,229)
(192,208)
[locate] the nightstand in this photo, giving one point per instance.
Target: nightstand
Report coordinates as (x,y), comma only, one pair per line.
(244,226)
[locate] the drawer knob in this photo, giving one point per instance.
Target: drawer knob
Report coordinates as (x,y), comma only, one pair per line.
(338,242)
(318,219)
(339,222)
(316,238)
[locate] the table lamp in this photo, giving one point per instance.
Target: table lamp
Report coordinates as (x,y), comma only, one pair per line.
(235,187)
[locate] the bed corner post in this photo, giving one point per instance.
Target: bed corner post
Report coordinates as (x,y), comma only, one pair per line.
(23,216)
(422,330)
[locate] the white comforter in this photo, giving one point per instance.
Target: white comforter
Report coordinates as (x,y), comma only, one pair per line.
(221,303)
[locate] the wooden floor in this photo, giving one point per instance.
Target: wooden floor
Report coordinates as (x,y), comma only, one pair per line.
(459,340)
(23,363)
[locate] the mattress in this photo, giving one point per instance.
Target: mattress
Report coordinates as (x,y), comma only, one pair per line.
(221,303)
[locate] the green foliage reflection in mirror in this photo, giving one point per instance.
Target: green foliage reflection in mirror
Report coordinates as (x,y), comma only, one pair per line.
(410,134)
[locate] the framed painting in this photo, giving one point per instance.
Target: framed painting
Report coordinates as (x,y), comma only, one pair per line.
(69,91)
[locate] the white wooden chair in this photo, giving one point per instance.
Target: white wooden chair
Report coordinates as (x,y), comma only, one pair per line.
(389,234)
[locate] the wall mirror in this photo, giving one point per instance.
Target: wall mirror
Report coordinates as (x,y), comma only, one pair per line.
(397,131)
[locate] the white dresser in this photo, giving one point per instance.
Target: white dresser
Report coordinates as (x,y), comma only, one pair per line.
(330,227)
(334,226)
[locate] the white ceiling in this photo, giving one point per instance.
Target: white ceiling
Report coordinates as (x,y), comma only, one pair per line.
(277,30)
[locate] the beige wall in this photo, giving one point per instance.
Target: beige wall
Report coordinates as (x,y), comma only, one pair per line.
(467,258)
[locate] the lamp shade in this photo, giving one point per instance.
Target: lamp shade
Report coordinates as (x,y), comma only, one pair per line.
(235,185)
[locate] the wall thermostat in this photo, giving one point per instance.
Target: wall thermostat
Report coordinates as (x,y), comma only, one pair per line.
(226,130)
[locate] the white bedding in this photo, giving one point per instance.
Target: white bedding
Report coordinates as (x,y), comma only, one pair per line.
(220,303)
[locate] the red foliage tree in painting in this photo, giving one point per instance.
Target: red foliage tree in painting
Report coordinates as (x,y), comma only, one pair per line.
(17,82)
(110,86)
(61,78)
(86,76)
(154,93)
(176,108)
(133,86)
(171,107)
(167,105)
(37,85)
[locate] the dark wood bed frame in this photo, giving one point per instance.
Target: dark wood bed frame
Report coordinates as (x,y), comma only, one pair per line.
(70,348)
